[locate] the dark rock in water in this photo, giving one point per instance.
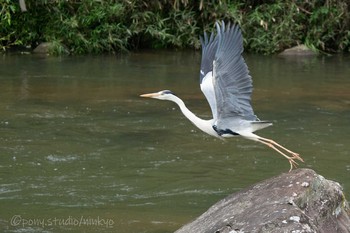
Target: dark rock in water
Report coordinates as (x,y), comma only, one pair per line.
(299,201)
(51,47)
(300,50)
(43,48)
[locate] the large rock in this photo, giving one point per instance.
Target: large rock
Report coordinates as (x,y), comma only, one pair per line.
(299,201)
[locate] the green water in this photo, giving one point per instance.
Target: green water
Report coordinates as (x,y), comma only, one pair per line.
(81,152)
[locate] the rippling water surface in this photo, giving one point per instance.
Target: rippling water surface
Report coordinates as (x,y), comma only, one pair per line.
(81,152)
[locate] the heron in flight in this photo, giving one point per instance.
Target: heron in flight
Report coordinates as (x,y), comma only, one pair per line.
(227,85)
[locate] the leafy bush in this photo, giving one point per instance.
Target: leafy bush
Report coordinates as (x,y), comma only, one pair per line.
(97,26)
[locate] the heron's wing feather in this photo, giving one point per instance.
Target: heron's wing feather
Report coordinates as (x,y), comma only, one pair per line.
(209,46)
(232,82)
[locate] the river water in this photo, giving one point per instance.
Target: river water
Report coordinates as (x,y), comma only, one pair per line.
(82,152)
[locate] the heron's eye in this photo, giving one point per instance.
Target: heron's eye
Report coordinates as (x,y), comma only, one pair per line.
(167,92)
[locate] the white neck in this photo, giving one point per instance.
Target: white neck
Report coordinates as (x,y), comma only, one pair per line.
(204,125)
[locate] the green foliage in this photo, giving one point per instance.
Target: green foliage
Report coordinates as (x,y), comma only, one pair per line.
(6,30)
(272,27)
(161,25)
(322,25)
(331,31)
(97,26)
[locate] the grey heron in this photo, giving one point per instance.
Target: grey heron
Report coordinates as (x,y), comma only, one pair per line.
(227,85)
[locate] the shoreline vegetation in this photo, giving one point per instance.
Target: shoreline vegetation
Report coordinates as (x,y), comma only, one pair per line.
(114,26)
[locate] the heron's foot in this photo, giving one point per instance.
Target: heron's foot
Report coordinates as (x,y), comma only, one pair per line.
(292,162)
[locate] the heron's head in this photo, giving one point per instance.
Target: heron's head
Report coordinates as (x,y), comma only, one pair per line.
(162,95)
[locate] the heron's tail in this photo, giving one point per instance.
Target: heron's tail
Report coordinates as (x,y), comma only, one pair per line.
(257,125)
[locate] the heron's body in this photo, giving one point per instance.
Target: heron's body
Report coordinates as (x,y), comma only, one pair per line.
(227,85)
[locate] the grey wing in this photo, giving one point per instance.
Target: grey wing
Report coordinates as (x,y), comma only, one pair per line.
(209,46)
(232,82)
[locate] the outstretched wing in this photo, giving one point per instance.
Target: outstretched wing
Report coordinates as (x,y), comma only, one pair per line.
(209,46)
(232,82)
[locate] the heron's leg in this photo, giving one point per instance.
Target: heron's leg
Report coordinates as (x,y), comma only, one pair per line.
(290,159)
(275,146)
(272,142)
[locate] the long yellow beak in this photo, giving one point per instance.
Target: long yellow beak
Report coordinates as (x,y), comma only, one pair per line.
(150,95)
